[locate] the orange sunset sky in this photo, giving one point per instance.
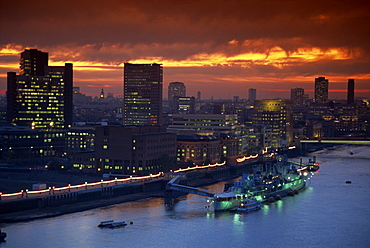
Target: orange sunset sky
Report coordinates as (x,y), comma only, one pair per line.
(221,48)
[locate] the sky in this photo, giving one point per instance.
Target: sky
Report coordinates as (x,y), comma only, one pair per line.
(218,47)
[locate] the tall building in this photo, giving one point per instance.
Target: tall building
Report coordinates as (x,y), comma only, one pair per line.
(321,90)
(297,97)
(199,96)
(33,62)
(175,90)
(351,91)
(252,95)
(142,100)
(279,115)
(41,95)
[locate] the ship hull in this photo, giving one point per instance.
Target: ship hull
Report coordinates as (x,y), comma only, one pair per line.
(297,185)
(262,196)
(226,205)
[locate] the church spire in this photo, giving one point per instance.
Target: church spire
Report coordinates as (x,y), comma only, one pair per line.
(102,93)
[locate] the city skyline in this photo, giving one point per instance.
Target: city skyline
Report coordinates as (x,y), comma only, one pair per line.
(220,48)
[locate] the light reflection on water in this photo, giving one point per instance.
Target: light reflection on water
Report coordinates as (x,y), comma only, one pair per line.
(328,213)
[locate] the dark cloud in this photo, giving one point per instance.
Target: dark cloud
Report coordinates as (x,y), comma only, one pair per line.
(324,23)
(114,31)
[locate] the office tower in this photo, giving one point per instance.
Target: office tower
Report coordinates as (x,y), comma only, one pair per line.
(199,96)
(33,62)
(279,115)
(142,100)
(321,90)
(297,97)
(351,91)
(175,90)
(40,98)
(252,95)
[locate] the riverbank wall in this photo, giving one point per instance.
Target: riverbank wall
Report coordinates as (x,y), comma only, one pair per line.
(106,195)
(80,196)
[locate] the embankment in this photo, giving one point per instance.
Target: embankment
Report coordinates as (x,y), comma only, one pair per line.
(54,205)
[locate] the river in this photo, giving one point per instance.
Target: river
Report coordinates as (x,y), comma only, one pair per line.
(328,213)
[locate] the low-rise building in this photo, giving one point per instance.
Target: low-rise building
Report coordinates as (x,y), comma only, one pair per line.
(198,148)
(133,150)
(24,146)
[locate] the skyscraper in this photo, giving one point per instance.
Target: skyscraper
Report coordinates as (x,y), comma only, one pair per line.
(279,115)
(252,95)
(142,100)
(33,62)
(321,90)
(351,91)
(297,97)
(175,90)
(199,96)
(41,95)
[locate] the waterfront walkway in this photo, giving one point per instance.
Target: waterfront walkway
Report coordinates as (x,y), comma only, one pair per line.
(71,208)
(83,206)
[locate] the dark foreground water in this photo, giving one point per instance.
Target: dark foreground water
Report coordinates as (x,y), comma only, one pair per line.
(329,213)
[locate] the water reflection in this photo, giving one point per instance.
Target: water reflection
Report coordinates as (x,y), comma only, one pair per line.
(237,220)
(265,209)
(279,205)
(189,224)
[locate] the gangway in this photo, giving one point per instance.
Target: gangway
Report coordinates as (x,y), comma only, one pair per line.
(172,185)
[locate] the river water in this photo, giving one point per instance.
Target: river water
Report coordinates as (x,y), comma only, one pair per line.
(328,213)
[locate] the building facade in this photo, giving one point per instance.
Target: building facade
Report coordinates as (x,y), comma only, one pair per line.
(184,105)
(142,101)
(351,91)
(41,95)
(208,122)
(133,150)
(297,97)
(23,146)
(175,91)
(252,95)
(229,136)
(33,62)
(279,115)
(198,148)
(321,90)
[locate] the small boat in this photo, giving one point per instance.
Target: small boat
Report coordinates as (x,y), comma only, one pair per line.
(351,153)
(313,165)
(112,224)
(250,204)
(2,236)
